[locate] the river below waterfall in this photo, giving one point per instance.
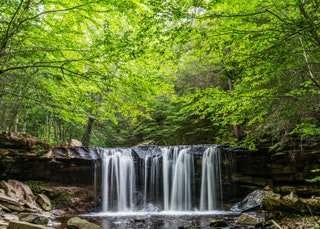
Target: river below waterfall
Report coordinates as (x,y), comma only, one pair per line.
(161,220)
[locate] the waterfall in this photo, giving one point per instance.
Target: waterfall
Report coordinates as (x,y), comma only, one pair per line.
(118,180)
(211,184)
(168,179)
(178,176)
(152,179)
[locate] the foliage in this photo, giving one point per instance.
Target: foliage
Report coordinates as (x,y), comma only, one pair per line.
(116,73)
(315,179)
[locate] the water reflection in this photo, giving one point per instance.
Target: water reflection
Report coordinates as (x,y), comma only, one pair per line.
(163,220)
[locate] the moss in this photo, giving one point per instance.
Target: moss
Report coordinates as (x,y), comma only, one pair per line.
(35,186)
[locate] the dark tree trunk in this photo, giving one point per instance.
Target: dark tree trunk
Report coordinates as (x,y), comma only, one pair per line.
(86,137)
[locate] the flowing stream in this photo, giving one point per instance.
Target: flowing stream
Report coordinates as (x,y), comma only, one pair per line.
(162,179)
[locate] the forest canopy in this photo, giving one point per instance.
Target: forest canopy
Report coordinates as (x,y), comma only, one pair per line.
(117,73)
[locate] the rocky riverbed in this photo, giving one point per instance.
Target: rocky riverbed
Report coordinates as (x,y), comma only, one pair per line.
(24,206)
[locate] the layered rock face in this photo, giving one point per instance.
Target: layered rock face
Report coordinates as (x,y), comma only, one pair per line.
(20,155)
(285,171)
(26,158)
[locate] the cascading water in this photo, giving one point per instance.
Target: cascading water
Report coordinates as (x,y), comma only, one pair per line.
(167,180)
(152,180)
(118,180)
(178,168)
(211,185)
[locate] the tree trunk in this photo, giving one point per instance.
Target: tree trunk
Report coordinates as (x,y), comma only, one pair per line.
(86,137)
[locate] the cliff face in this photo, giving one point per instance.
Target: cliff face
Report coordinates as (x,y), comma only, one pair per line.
(283,171)
(19,154)
(24,158)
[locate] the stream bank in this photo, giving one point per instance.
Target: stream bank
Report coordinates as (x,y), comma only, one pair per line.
(254,211)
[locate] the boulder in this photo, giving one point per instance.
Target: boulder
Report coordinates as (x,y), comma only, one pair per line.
(10,200)
(77,223)
(269,201)
(290,204)
(26,225)
(75,143)
(251,201)
(44,202)
(17,196)
(247,219)
(218,223)
(12,207)
(22,191)
(10,217)
(8,190)
(34,218)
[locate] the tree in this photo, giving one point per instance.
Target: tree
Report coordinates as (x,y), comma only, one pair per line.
(90,73)
(175,71)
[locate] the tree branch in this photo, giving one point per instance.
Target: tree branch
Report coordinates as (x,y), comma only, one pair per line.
(56,11)
(35,100)
(42,66)
(5,38)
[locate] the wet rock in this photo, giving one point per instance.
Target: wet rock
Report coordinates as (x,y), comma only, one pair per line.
(34,218)
(269,201)
(218,223)
(142,150)
(247,219)
(77,223)
(26,225)
(251,201)
(44,202)
(68,152)
(57,212)
(139,220)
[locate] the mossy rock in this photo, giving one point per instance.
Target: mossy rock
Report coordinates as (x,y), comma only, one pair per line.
(218,223)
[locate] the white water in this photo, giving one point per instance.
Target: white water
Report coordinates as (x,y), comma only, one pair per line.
(211,180)
(168,181)
(152,181)
(178,176)
(118,180)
